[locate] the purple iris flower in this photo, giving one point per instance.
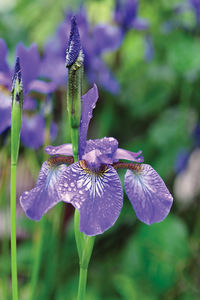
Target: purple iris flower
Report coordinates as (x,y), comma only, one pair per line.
(125,15)
(32,122)
(92,184)
(195,4)
(95,42)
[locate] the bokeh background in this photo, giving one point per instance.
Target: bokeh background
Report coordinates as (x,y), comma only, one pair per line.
(149,90)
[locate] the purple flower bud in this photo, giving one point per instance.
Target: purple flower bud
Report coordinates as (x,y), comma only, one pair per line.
(74,44)
(17,73)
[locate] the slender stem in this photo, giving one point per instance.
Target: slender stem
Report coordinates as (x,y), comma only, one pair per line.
(82,283)
(13,233)
(37,258)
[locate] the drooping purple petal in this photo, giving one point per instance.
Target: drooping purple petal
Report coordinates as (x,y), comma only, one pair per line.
(45,194)
(5,110)
(74,45)
(4,68)
(128,155)
(97,196)
(89,103)
(65,149)
(32,133)
(30,63)
(148,194)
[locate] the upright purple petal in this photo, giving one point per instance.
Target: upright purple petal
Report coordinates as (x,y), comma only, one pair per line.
(4,68)
(45,194)
(100,151)
(65,149)
(32,133)
(128,155)
(148,194)
(97,196)
(89,103)
(30,63)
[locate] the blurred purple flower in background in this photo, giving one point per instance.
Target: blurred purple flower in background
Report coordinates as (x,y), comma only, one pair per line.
(92,184)
(186,6)
(5,87)
(95,42)
(126,15)
(187,168)
(195,4)
(32,122)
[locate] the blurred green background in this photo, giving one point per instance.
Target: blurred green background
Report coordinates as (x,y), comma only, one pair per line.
(156,111)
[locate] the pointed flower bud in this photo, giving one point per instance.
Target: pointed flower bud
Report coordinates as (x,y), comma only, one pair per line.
(16,114)
(17,82)
(74,54)
(74,63)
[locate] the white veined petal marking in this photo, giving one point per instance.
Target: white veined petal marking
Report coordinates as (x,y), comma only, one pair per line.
(91,181)
(86,183)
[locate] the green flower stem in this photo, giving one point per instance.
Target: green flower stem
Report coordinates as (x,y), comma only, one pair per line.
(85,246)
(13,232)
(75,73)
(82,283)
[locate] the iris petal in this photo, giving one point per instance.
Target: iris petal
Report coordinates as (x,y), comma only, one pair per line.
(65,149)
(100,151)
(128,155)
(45,194)
(148,194)
(97,196)
(89,103)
